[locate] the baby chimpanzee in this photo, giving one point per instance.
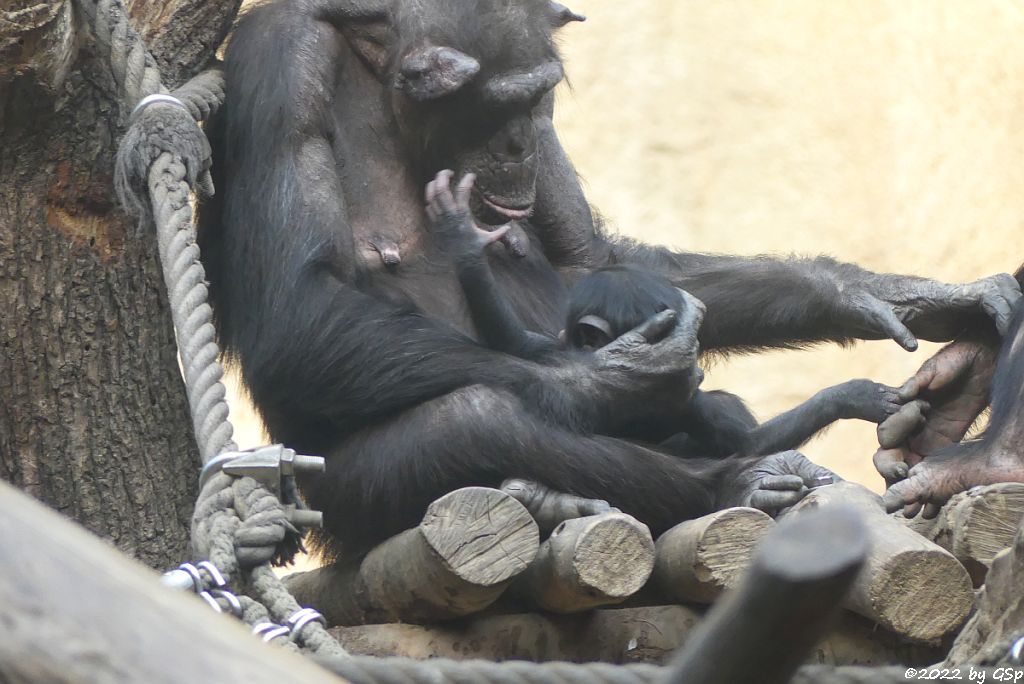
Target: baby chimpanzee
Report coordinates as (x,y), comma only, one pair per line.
(613,300)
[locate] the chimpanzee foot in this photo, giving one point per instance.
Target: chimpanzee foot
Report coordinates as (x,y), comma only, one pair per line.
(867,400)
(549,507)
(934,480)
(776,482)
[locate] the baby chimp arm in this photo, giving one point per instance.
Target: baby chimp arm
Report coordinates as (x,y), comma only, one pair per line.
(719,424)
(856,399)
(460,236)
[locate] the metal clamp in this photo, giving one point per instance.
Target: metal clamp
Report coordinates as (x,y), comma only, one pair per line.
(302,617)
(265,464)
(158,98)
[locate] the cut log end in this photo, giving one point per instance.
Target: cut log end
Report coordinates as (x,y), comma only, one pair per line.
(921,594)
(615,556)
(484,536)
(697,559)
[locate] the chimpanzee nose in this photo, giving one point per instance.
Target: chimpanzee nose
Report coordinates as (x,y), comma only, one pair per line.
(515,141)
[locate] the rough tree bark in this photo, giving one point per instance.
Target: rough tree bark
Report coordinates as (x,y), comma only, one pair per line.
(93,414)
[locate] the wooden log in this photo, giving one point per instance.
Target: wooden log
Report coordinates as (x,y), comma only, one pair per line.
(588,562)
(611,635)
(457,561)
(975,525)
(76,610)
(999,620)
(698,559)
(764,628)
(909,585)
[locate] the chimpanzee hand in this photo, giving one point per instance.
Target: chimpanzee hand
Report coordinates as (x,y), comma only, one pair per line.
(906,308)
(775,482)
(656,360)
(955,383)
(452,218)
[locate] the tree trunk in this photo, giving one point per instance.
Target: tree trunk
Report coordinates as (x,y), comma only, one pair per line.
(93,415)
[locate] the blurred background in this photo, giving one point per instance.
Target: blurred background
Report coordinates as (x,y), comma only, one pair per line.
(889,133)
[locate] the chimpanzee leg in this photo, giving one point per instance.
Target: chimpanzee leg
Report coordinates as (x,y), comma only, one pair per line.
(996,456)
(381,480)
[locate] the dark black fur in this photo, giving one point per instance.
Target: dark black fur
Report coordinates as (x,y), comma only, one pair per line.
(375,367)
(712,424)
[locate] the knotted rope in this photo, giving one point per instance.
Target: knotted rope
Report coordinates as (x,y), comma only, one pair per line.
(238,524)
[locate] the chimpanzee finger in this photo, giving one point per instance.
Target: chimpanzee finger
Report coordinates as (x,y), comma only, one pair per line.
(998,310)
(930,510)
(491,236)
(882,315)
(899,427)
(891,465)
(444,191)
(771,501)
(781,483)
(655,328)
(463,190)
(897,496)
(912,387)
(912,509)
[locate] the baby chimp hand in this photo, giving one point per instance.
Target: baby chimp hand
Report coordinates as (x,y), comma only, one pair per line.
(452,217)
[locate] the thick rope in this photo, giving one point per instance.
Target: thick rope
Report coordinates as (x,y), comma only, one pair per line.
(186,289)
(237,524)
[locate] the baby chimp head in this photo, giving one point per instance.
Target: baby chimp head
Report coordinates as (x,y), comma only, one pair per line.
(615,299)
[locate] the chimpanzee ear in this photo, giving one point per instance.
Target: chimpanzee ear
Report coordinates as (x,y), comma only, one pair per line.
(592,332)
(562,15)
(431,72)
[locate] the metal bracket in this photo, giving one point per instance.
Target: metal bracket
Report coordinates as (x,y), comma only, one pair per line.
(265,464)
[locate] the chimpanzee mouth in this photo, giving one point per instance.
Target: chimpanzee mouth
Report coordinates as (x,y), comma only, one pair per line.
(510,213)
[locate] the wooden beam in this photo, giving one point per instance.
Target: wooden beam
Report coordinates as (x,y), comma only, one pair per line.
(762,630)
(975,525)
(587,562)
(698,559)
(999,619)
(909,585)
(459,560)
(74,609)
(650,634)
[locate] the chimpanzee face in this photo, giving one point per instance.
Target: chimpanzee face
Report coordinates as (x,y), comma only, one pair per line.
(469,79)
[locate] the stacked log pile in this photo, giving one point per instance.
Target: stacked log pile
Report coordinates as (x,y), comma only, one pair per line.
(475,580)
(473,549)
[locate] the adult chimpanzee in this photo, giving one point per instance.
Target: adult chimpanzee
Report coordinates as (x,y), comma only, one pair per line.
(609,302)
(338,112)
(960,381)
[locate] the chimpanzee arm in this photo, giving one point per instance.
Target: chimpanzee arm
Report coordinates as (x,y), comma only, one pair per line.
(856,399)
(495,319)
(763,301)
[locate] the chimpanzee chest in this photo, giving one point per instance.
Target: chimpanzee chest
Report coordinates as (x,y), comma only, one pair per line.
(425,276)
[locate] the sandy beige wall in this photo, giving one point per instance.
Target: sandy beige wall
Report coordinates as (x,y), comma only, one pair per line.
(889,133)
